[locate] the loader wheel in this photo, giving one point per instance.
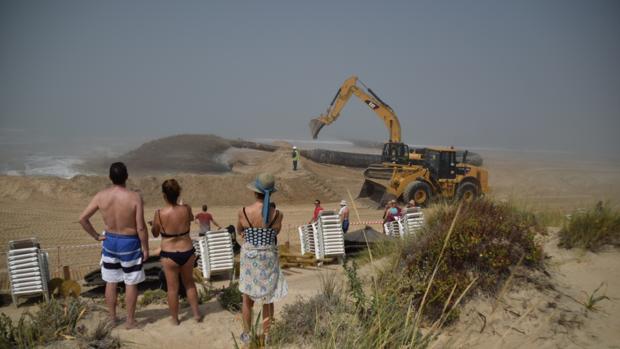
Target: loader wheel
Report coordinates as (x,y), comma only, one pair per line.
(467,192)
(418,191)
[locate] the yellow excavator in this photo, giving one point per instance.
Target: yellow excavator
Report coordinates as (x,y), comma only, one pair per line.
(406,173)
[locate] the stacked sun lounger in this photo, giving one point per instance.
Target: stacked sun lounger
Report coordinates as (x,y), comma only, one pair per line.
(409,223)
(28,269)
(330,234)
(306,237)
(197,241)
(323,238)
(412,221)
(393,228)
(215,253)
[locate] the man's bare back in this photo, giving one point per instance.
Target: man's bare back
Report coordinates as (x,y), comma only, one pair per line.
(118,207)
(121,210)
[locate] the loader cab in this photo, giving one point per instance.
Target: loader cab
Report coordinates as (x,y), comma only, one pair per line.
(441,163)
(395,153)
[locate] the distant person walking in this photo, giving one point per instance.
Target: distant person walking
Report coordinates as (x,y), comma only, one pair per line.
(295,158)
(344,216)
(317,211)
(177,254)
(204,219)
(125,242)
(260,277)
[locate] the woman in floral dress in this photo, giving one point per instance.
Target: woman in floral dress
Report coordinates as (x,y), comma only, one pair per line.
(260,277)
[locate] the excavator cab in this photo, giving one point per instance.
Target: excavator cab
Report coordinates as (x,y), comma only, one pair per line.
(396,153)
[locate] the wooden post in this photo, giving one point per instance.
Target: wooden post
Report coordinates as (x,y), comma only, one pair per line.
(66,271)
(288,236)
(58,260)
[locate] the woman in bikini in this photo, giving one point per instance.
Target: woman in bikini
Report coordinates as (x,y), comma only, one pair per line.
(260,277)
(177,252)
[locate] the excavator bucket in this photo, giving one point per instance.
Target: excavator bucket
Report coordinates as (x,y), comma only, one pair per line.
(375,192)
(315,127)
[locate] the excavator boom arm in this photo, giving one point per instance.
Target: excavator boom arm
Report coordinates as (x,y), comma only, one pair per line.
(348,88)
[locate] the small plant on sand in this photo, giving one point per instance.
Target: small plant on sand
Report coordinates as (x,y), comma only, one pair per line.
(355,288)
(593,299)
(257,339)
(592,229)
(230,297)
(53,321)
(157,296)
(99,338)
(308,319)
(205,294)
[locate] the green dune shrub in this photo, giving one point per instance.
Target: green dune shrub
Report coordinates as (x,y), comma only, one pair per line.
(591,229)
(487,240)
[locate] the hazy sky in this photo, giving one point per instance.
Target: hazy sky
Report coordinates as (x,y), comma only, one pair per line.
(533,74)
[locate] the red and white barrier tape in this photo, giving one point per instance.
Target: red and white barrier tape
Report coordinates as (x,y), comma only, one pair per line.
(366,222)
(97,245)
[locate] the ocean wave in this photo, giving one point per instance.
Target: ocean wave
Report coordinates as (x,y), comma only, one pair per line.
(46,165)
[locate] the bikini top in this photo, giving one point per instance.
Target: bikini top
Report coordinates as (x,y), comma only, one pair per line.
(261,236)
(163,232)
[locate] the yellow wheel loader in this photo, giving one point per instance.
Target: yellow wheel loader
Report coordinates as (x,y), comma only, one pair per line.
(405,173)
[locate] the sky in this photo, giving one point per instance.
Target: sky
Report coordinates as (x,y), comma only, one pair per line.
(527,74)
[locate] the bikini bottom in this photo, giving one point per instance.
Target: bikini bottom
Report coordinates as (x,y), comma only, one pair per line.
(179,258)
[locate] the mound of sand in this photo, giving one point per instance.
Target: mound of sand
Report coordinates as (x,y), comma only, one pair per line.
(181,153)
(185,153)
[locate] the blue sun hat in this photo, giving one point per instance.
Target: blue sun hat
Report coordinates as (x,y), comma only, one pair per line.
(264,184)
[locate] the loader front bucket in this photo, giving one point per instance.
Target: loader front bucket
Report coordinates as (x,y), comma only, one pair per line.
(315,127)
(375,192)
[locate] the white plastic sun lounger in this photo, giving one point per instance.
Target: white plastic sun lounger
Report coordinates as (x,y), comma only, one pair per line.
(28,269)
(408,224)
(306,237)
(323,238)
(412,221)
(393,228)
(215,253)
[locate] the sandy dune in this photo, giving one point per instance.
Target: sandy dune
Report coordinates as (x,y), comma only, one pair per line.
(548,312)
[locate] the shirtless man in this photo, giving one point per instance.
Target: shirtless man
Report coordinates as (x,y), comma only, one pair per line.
(125,243)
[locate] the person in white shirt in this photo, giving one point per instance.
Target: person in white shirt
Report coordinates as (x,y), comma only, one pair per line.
(344,216)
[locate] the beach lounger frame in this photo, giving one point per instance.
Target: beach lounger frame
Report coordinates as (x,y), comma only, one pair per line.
(28,269)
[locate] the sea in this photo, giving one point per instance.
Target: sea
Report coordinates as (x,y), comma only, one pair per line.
(22,154)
